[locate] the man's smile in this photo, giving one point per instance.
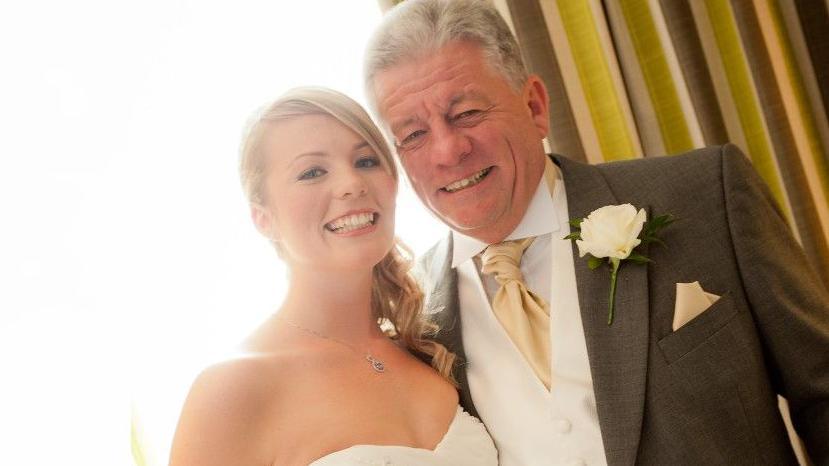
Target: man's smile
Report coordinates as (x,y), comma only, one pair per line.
(467,182)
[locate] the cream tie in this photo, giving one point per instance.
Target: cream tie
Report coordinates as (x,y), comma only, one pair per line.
(523,314)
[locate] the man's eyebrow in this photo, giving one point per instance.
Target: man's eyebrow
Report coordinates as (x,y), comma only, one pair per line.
(467,95)
(401,123)
(454,100)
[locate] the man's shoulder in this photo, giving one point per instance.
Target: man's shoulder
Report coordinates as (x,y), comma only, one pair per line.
(675,183)
(704,159)
(679,174)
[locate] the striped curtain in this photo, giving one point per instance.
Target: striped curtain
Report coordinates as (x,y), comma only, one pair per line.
(639,78)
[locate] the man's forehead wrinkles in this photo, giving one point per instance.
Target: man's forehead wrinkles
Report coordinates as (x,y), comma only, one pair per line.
(416,86)
(407,108)
(441,95)
(425,78)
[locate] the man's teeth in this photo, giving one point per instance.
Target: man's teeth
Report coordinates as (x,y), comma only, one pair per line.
(466,182)
(351,222)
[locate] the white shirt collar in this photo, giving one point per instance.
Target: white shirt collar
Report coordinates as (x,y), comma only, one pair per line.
(539,219)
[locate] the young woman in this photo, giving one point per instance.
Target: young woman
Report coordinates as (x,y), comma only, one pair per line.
(331,378)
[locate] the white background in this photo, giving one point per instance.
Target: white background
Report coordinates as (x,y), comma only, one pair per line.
(127,259)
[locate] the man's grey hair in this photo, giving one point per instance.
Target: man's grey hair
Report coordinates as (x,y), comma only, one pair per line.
(417,27)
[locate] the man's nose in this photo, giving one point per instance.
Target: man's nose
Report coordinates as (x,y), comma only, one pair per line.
(449,146)
(351,183)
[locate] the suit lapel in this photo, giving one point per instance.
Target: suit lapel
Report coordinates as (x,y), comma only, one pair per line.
(618,353)
(443,308)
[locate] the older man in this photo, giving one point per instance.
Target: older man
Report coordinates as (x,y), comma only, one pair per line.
(687,373)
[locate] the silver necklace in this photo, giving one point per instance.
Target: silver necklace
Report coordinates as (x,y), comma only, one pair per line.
(376,364)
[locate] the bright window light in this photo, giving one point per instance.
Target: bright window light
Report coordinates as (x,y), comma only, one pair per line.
(127,258)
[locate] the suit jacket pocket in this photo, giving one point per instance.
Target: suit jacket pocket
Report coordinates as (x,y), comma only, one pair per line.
(698,330)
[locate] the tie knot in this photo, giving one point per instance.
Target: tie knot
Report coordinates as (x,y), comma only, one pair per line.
(503,259)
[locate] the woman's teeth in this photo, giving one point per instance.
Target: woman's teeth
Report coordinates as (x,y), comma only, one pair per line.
(467,182)
(351,222)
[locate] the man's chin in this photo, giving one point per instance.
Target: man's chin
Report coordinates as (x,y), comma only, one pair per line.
(476,229)
(487,228)
(465,223)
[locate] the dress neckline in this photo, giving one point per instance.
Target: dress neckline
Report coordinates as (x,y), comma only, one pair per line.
(458,412)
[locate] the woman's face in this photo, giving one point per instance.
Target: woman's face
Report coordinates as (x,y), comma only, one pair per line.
(329,197)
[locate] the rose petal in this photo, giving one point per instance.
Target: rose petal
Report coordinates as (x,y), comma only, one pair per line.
(611,231)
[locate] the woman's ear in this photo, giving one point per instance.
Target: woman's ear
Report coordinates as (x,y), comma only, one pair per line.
(264,221)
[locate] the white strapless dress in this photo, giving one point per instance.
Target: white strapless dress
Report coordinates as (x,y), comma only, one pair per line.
(466,443)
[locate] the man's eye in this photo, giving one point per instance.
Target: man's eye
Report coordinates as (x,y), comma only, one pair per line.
(367,162)
(470,117)
(412,137)
(466,114)
(311,173)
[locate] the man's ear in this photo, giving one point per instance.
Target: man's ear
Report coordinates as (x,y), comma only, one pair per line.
(264,221)
(537,101)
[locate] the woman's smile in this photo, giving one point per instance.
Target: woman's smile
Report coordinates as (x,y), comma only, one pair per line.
(354,223)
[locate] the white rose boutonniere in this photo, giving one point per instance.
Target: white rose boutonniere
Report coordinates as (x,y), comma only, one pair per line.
(611,235)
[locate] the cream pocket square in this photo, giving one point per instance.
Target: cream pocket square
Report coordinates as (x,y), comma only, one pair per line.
(691,301)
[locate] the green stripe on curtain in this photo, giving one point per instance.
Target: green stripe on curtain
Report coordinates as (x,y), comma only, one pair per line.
(685,39)
(804,106)
(742,90)
(540,58)
(594,73)
(660,83)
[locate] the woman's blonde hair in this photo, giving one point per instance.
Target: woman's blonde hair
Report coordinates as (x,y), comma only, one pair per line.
(396,298)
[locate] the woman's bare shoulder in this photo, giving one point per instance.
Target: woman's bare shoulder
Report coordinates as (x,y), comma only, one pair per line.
(227,410)
(239,381)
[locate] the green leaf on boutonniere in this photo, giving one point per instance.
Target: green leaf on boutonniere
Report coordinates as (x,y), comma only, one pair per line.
(652,239)
(575,235)
(651,229)
(576,222)
(638,258)
(594,262)
(656,224)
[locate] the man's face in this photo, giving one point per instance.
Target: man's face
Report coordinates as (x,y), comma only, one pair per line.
(470,144)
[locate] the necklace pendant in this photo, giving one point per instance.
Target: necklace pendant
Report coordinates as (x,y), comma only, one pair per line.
(376,364)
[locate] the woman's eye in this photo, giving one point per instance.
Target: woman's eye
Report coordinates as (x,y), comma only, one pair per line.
(311,173)
(367,162)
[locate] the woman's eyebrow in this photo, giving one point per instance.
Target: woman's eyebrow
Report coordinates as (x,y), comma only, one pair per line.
(304,155)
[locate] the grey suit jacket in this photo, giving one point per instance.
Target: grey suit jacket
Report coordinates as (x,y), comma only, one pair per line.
(706,393)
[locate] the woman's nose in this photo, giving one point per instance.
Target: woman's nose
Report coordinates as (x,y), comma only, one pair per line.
(351,184)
